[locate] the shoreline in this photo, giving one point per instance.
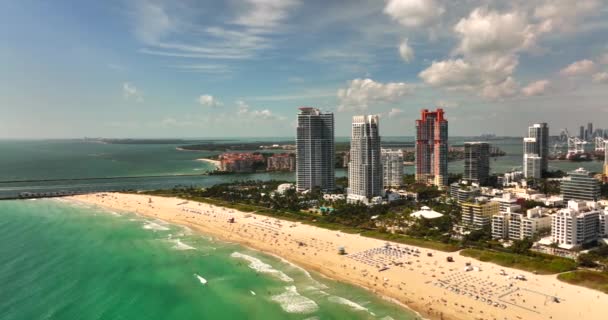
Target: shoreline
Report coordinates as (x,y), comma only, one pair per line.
(215,163)
(410,285)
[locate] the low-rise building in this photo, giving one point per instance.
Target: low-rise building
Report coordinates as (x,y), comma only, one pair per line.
(241,162)
(282,188)
(580,185)
(427,213)
(281,162)
(462,192)
(478,213)
(576,225)
(507,202)
(518,226)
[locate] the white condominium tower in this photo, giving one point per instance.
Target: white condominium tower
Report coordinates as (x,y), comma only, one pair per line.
(365,167)
(315,150)
(392,167)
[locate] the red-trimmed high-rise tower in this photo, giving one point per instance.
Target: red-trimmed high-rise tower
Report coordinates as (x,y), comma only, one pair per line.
(432,148)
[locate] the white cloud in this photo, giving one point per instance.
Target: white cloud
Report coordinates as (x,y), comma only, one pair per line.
(505,89)
(394,112)
(245,111)
(405,51)
(489,32)
(490,76)
(203,68)
(452,74)
(578,68)
(151,21)
(600,77)
(129,91)
(164,26)
(536,88)
(208,101)
(414,13)
(487,54)
(362,92)
(264,13)
(564,14)
(446,104)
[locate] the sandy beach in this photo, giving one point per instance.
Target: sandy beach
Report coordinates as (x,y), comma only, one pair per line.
(216,163)
(419,278)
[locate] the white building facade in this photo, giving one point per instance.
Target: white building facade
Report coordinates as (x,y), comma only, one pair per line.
(365,179)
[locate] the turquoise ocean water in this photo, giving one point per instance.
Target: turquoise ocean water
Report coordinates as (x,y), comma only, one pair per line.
(60,260)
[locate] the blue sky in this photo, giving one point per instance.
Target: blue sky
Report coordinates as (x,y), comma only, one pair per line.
(153,68)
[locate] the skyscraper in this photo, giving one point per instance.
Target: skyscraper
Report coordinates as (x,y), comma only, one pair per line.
(432,148)
(581,133)
(589,131)
(392,167)
(315,150)
(476,162)
(365,167)
(536,144)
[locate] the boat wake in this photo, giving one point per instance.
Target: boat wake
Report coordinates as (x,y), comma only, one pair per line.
(201,279)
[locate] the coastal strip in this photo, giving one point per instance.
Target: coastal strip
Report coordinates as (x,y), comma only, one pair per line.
(419,278)
(215,163)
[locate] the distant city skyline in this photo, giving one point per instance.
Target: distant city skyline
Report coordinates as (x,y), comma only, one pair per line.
(167,69)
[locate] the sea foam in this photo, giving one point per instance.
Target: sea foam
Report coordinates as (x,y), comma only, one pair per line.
(291,301)
(259,266)
(179,245)
(149,225)
(347,302)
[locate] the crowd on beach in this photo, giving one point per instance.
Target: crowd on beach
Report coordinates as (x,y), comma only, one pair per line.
(440,285)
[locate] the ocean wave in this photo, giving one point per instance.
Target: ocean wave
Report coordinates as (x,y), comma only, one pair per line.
(318,284)
(346,302)
(149,225)
(179,245)
(291,301)
(259,266)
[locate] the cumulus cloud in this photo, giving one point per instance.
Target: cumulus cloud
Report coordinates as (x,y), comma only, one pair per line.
(484,32)
(363,92)
(405,51)
(536,88)
(507,88)
(208,101)
(414,13)
(129,91)
(600,77)
(487,53)
(563,14)
(244,110)
(578,68)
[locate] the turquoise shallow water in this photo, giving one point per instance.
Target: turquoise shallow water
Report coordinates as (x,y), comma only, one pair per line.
(64,261)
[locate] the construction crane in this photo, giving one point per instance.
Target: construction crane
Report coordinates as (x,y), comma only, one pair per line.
(576,146)
(600,144)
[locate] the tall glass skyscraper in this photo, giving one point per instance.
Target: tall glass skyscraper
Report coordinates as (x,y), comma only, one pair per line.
(365,179)
(477,162)
(432,148)
(315,150)
(536,144)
